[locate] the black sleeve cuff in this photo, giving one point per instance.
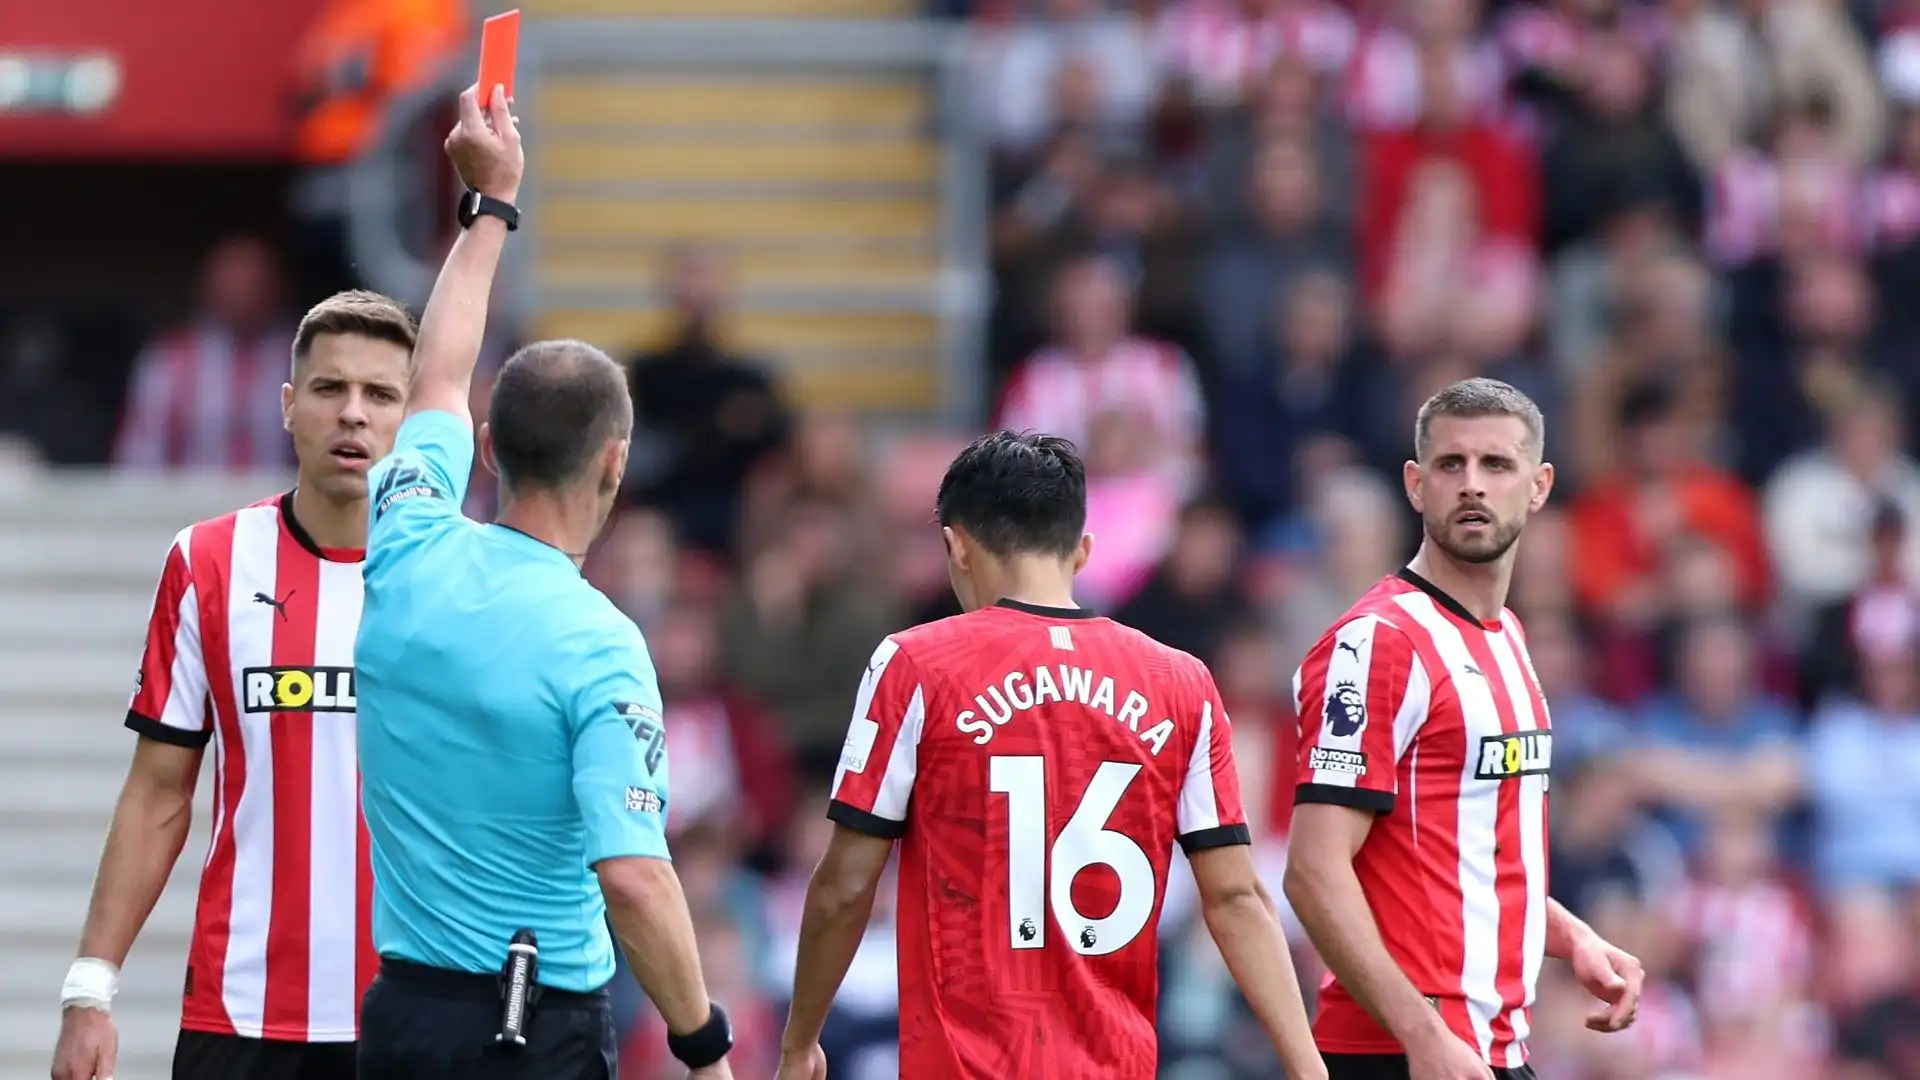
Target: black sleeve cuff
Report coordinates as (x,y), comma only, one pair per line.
(149,728)
(861,821)
(1378,802)
(1219,836)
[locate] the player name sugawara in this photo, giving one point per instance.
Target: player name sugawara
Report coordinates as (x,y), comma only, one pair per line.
(1022,691)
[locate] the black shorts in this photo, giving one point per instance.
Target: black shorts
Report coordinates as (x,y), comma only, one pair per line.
(1394,1067)
(423,1023)
(201,1056)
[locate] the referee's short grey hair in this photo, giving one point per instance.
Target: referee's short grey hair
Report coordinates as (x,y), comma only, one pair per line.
(1480,397)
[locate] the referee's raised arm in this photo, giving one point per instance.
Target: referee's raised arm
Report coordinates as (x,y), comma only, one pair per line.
(485,149)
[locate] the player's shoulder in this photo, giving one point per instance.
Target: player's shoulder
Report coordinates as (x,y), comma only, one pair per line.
(1377,614)
(214,539)
(586,623)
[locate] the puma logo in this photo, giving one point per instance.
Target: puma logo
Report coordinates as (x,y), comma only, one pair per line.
(1350,647)
(279,605)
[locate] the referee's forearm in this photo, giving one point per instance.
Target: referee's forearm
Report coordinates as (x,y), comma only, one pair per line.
(831,927)
(650,917)
(1326,895)
(455,319)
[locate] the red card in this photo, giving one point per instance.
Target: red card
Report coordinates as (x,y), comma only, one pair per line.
(499,50)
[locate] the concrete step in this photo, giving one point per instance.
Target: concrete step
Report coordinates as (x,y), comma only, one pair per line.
(819,104)
(125,555)
(710,160)
(61,618)
(637,271)
(88,671)
(914,218)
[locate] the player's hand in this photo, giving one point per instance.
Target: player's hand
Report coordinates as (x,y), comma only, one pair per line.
(1614,976)
(485,145)
(88,1044)
(809,1064)
(1445,1057)
(719,1070)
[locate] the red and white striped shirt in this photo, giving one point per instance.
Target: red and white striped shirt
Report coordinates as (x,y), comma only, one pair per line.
(250,645)
(1414,710)
(202,399)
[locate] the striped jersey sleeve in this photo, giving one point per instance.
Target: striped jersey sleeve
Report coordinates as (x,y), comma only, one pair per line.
(170,700)
(1361,695)
(878,764)
(1210,813)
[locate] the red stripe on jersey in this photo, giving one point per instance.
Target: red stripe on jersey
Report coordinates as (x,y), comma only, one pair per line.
(163,637)
(369,957)
(289,951)
(1510,872)
(205,1007)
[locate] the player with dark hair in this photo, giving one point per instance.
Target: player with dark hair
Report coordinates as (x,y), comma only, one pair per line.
(1417,860)
(1037,763)
(250,649)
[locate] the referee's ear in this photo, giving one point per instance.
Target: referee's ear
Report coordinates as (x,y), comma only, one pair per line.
(486,448)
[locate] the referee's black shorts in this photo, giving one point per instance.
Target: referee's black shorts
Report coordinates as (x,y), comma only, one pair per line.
(203,1056)
(1394,1067)
(424,1023)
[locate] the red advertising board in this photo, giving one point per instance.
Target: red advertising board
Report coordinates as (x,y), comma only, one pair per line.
(179,80)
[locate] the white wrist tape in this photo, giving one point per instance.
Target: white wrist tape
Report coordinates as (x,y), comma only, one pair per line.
(90,984)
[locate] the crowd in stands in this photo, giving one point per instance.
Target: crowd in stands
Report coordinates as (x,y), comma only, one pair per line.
(1236,242)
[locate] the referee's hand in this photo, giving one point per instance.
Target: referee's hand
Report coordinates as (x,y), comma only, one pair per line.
(87,1047)
(484,145)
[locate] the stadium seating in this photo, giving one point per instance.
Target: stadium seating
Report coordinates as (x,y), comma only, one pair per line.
(79,557)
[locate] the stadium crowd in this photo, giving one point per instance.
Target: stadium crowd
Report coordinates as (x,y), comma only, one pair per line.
(1236,242)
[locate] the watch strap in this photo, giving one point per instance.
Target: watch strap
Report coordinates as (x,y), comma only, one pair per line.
(474,204)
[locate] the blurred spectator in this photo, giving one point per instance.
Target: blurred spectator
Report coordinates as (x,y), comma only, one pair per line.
(1255,265)
(1218,50)
(1192,596)
(1021,65)
(1607,858)
(207,396)
(637,564)
(1095,365)
(1131,506)
(1349,535)
(731,768)
(704,417)
(1866,787)
(1288,105)
(1660,329)
(1882,615)
(1626,525)
(1502,182)
(1821,503)
(1612,146)
(1309,386)
(800,626)
(1719,743)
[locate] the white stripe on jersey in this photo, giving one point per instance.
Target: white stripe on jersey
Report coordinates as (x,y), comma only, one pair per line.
(1533,840)
(896,788)
(333,909)
(1199,808)
(1479,823)
(253,568)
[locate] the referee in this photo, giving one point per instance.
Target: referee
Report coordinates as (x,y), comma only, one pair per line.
(514,774)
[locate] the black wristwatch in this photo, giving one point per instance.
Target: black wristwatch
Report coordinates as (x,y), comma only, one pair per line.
(699,1049)
(473,204)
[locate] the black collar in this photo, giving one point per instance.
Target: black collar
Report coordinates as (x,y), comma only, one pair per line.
(1459,609)
(296,530)
(1048,612)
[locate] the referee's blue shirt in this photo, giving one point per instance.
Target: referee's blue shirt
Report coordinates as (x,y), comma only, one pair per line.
(510,730)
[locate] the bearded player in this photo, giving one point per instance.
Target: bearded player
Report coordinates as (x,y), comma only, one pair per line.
(1418,856)
(250,649)
(1037,763)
